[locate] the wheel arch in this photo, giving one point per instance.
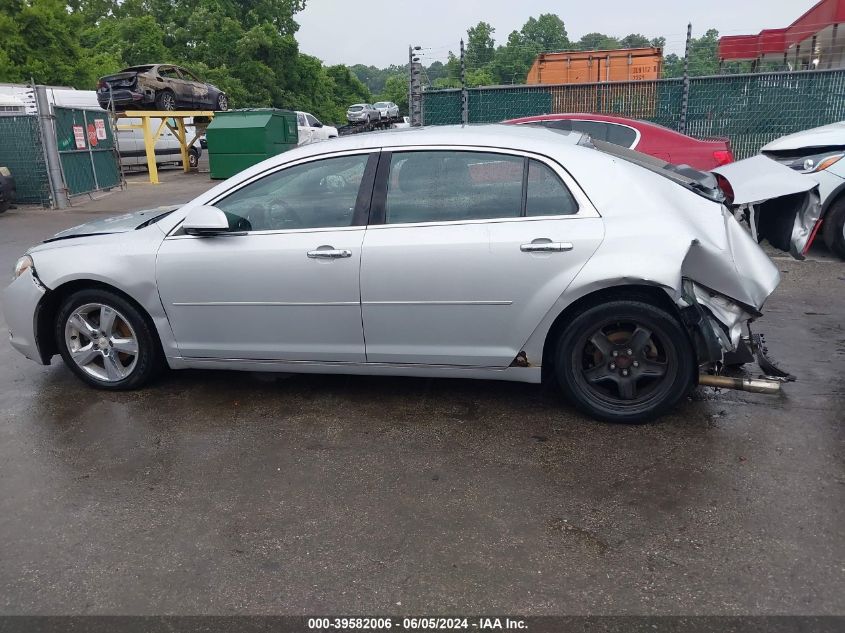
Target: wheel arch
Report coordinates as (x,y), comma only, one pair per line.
(48,308)
(651,294)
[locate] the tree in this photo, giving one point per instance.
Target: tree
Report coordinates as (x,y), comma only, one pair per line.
(513,60)
(634,40)
(480,45)
(546,32)
(597,42)
(396,90)
(703,57)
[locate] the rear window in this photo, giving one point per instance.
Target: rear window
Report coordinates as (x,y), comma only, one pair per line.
(380,104)
(701,182)
(356,108)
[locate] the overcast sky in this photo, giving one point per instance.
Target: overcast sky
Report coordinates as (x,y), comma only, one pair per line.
(378,32)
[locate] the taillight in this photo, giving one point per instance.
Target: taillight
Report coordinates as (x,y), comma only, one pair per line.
(723,157)
(726,188)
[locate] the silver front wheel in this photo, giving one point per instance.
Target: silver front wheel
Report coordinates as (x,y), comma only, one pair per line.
(101,342)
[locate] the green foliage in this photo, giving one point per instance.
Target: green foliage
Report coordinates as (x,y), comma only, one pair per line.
(396,90)
(479,46)
(246,47)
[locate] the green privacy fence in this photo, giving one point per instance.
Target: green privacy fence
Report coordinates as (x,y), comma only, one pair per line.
(749,109)
(22,153)
(87,152)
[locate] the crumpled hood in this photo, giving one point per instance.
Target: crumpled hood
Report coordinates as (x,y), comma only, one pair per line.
(833,134)
(115,224)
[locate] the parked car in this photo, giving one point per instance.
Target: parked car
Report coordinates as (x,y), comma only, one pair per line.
(7,189)
(159,87)
(818,153)
(648,138)
(405,122)
(387,110)
(362,113)
(310,129)
(494,252)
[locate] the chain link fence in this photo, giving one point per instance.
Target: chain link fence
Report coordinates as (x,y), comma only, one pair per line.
(86,146)
(22,153)
(749,109)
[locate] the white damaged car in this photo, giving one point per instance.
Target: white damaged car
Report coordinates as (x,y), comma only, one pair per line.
(491,252)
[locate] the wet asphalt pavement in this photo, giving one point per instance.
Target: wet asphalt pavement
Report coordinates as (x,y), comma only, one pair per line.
(226,493)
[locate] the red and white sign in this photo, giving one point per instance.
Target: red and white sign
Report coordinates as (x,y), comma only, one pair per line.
(101,129)
(79,136)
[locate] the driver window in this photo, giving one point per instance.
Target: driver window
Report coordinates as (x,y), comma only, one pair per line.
(312,121)
(318,194)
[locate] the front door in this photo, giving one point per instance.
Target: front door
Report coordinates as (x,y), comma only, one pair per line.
(473,249)
(284,284)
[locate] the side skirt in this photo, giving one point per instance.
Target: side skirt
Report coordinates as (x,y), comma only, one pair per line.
(514,374)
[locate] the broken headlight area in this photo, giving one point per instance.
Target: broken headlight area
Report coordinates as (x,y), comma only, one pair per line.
(721,332)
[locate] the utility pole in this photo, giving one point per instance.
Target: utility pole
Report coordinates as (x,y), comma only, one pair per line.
(414,87)
(464,93)
(682,126)
(49,144)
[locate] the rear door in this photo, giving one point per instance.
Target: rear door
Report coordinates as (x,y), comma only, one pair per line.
(466,251)
(181,88)
(199,90)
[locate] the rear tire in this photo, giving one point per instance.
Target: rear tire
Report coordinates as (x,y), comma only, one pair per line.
(166,100)
(106,341)
(222,103)
(833,229)
(625,361)
(193,158)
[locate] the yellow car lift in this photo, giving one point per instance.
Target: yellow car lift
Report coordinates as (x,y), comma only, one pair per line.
(177,126)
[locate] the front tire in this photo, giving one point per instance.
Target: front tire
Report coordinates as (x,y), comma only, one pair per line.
(625,361)
(106,341)
(833,229)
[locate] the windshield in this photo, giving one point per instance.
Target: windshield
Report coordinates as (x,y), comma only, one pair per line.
(701,182)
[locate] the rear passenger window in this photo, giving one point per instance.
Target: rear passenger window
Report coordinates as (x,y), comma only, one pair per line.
(547,195)
(446,186)
(621,135)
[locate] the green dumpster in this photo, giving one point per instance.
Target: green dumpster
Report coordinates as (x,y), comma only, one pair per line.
(238,139)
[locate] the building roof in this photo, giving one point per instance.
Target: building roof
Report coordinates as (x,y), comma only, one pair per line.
(778,41)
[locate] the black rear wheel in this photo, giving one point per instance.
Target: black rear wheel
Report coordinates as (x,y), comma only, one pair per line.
(625,361)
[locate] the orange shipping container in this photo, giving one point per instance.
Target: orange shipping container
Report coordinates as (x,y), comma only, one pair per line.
(582,67)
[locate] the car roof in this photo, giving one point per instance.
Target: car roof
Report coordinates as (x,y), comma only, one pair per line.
(522,138)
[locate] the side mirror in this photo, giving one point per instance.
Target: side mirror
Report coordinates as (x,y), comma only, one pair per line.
(318,124)
(205,221)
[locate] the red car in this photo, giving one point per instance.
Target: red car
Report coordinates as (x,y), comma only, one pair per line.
(648,138)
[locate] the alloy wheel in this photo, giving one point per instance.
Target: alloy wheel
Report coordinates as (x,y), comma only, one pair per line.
(625,363)
(101,342)
(222,103)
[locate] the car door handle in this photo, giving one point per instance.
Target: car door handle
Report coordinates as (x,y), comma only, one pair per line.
(329,253)
(545,246)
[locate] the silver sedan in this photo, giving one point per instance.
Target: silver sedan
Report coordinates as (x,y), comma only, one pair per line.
(491,252)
